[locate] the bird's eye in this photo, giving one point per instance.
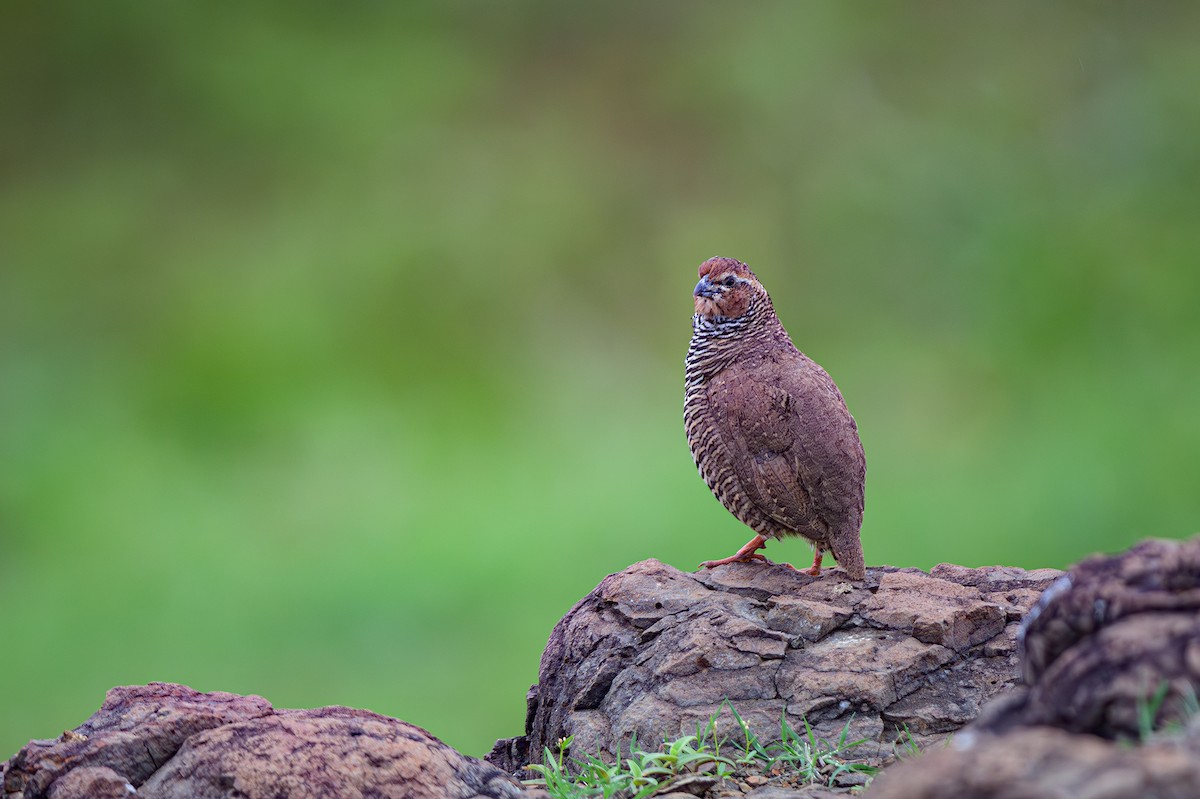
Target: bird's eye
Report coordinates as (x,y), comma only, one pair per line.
(729,281)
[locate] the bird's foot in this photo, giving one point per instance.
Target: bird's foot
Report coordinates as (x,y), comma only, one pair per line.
(739,558)
(815,571)
(743,555)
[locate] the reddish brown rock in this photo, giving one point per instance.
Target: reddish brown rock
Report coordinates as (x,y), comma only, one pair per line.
(1105,638)
(331,751)
(1114,638)
(170,741)
(654,651)
(1046,763)
(949,614)
(135,731)
(94,782)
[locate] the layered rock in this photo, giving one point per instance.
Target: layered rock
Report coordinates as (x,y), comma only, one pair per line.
(1112,633)
(1047,763)
(1108,651)
(163,741)
(1112,651)
(655,652)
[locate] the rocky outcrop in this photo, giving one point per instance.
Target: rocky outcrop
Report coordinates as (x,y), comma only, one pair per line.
(163,741)
(1107,652)
(655,652)
(1047,763)
(1112,651)
(135,731)
(1113,632)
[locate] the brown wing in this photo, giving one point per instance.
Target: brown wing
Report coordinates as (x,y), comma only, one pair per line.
(798,456)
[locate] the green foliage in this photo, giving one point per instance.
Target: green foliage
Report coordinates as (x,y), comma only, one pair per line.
(1153,722)
(813,759)
(802,757)
(906,746)
(341,346)
(639,775)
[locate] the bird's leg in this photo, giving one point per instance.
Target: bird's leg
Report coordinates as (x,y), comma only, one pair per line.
(746,553)
(815,571)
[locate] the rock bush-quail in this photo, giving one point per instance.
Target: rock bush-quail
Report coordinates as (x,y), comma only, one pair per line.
(768,428)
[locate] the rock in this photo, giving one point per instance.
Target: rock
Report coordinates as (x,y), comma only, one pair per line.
(812,792)
(331,751)
(1098,645)
(655,652)
(1105,638)
(693,785)
(170,741)
(1154,576)
(1045,763)
(94,782)
(134,732)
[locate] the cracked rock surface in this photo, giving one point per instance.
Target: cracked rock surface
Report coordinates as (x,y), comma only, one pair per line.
(1112,633)
(1114,630)
(1047,763)
(655,651)
(162,740)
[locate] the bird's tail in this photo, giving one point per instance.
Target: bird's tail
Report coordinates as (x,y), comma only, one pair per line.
(849,555)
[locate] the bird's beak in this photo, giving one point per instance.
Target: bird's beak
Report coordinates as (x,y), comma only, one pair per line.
(705,289)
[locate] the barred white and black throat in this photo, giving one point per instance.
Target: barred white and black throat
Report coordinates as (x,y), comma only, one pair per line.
(768,428)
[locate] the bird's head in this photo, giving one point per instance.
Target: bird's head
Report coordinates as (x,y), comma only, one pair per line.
(727,290)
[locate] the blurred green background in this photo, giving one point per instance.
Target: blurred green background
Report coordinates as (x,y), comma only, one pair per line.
(341,345)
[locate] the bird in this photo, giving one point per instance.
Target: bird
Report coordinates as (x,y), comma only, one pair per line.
(769,431)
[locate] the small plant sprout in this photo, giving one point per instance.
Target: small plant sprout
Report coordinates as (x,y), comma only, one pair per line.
(752,749)
(1150,708)
(905,745)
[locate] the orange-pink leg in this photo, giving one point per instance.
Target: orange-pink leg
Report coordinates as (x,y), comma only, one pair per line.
(815,571)
(746,553)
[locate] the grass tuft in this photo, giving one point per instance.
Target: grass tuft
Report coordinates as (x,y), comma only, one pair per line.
(800,756)
(906,747)
(1149,710)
